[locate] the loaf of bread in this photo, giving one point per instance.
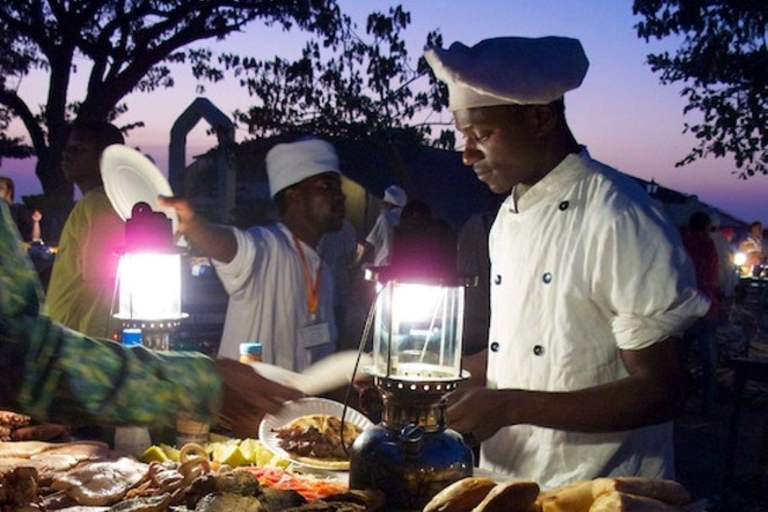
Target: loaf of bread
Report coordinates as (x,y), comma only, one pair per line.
(509,497)
(667,491)
(621,502)
(461,496)
(574,497)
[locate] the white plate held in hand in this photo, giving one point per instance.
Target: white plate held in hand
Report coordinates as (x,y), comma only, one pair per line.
(130,177)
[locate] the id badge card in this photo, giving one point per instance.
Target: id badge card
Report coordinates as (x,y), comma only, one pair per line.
(315,335)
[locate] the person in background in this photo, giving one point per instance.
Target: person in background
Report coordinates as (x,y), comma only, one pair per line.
(280,291)
(83,277)
(727,278)
(338,249)
(701,336)
(56,374)
(379,240)
(591,286)
(753,245)
(27,222)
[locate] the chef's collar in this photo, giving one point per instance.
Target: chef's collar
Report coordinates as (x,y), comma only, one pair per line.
(562,177)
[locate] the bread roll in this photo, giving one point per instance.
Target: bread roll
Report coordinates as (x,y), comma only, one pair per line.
(620,502)
(461,496)
(667,491)
(574,497)
(509,497)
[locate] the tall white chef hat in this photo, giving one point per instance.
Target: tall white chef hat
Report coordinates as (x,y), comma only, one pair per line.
(293,162)
(509,70)
(396,196)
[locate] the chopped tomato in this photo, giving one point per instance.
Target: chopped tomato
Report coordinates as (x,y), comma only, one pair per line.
(309,487)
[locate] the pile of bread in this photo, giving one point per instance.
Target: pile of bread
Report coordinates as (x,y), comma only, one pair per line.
(623,494)
(9,422)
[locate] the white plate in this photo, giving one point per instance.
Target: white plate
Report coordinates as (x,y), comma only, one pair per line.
(332,372)
(303,407)
(129,178)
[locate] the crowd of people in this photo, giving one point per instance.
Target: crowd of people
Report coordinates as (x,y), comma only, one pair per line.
(576,333)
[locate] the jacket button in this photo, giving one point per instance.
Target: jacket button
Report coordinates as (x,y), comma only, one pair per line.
(564,205)
(495,346)
(497,279)
(547,278)
(538,350)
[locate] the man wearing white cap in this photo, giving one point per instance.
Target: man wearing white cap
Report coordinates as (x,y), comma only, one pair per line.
(280,292)
(379,240)
(590,284)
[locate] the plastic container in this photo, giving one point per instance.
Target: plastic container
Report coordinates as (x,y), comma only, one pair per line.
(250,352)
(132,337)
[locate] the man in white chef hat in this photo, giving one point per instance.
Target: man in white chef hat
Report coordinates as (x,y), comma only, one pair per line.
(280,291)
(591,287)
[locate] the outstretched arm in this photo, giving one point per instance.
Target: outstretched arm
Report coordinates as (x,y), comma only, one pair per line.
(214,241)
(56,374)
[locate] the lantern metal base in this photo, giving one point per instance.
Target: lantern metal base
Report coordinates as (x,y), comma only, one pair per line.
(155,334)
(410,466)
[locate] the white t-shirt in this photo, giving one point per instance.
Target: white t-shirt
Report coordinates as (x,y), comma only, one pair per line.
(380,236)
(583,266)
(268,299)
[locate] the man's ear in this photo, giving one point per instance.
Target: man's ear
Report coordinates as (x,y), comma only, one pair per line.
(543,118)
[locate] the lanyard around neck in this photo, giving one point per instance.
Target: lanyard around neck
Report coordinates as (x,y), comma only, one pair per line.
(312,290)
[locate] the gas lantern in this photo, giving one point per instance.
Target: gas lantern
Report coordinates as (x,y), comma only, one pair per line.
(417,341)
(149,280)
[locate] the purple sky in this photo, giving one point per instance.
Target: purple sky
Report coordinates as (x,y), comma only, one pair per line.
(621,112)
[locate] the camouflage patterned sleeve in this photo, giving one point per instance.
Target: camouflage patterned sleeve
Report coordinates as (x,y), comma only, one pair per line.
(56,374)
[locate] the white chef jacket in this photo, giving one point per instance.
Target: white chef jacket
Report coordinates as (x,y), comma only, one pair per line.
(268,299)
(581,267)
(380,236)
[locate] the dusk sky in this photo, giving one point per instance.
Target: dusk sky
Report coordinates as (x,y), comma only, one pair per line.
(621,112)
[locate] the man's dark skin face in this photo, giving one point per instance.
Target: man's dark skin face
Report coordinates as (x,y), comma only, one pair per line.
(322,202)
(80,160)
(501,145)
(757,231)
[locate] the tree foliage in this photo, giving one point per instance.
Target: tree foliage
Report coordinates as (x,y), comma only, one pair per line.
(723,64)
(365,87)
(129,45)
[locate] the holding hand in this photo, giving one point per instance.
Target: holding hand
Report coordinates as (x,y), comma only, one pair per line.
(247,396)
(478,411)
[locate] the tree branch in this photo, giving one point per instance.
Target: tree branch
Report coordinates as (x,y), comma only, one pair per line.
(19,108)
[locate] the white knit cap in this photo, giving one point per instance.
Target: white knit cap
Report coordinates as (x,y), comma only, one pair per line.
(509,70)
(396,196)
(291,163)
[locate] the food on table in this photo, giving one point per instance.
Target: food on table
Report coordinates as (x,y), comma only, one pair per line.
(229,502)
(509,497)
(574,497)
(147,504)
(18,427)
(476,494)
(82,450)
(667,491)
(102,483)
(10,421)
(18,488)
(624,493)
(460,496)
(23,449)
(316,439)
(370,499)
(309,487)
(621,502)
